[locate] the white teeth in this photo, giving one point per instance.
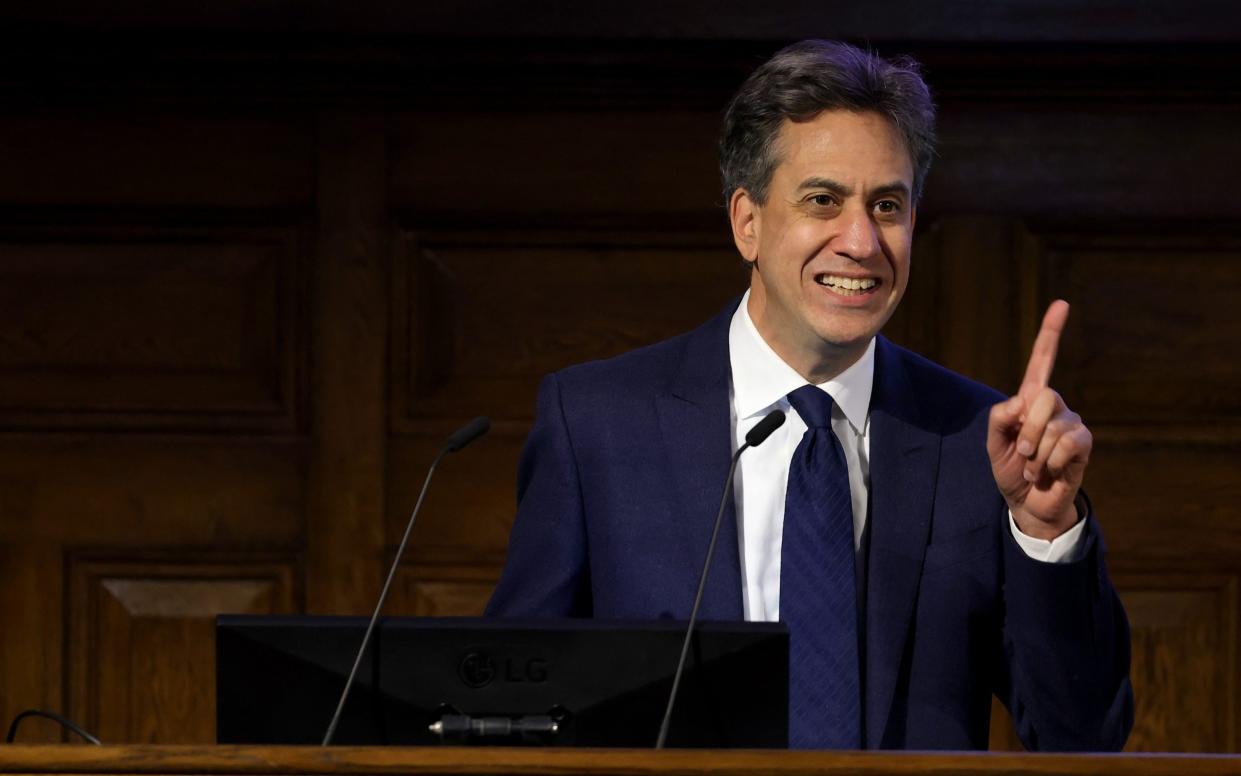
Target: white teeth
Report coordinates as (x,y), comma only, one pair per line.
(845,284)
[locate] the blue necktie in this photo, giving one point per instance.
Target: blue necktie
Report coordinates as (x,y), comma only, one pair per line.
(817,598)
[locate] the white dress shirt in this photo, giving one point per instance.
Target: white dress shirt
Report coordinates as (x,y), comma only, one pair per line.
(761,382)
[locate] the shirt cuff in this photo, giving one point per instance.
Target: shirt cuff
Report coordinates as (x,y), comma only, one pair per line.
(1065,548)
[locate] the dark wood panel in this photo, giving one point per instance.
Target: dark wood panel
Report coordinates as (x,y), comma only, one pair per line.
(142,640)
(477,323)
(1154,336)
(33,620)
(1003,736)
(139,328)
(546,165)
(143,158)
(438,590)
(140,490)
(1184,662)
(469,508)
(916,322)
(1097,161)
(1174,504)
(966,298)
(1137,357)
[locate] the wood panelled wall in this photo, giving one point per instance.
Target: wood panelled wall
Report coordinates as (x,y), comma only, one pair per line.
(244,296)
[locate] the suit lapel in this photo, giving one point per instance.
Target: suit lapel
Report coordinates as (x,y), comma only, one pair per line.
(904,459)
(696,431)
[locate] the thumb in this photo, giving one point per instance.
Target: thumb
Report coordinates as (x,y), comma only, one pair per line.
(1003,424)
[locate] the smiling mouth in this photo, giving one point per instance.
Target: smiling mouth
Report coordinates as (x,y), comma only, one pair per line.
(846,286)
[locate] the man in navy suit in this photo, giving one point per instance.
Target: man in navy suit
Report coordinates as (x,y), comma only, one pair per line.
(977,564)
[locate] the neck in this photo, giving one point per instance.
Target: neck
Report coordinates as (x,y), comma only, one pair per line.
(815,359)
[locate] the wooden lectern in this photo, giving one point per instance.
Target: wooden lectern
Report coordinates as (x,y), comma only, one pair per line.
(394,761)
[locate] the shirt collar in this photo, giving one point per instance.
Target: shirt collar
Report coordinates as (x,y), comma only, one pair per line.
(761,379)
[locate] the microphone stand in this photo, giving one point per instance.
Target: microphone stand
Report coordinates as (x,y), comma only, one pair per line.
(462,437)
(754,438)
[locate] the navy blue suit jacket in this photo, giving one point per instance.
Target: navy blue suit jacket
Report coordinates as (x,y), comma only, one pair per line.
(618,488)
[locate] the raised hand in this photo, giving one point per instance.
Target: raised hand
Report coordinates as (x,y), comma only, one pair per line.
(1038,446)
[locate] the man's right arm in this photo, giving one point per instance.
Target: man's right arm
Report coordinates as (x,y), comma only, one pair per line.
(1067,648)
(546,573)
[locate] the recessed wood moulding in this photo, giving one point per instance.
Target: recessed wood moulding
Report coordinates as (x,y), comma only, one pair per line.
(479,322)
(443,590)
(136,328)
(1184,661)
(1167,503)
(1152,339)
(141,646)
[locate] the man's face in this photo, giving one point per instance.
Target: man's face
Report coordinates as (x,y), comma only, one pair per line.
(831,243)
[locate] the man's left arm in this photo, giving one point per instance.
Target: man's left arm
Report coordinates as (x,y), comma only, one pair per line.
(1066,638)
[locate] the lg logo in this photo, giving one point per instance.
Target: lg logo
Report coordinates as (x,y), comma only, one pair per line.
(478,669)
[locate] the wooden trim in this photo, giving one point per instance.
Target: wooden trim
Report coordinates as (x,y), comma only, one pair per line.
(345,502)
(447,760)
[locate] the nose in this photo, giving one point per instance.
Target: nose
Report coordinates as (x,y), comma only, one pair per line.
(858,238)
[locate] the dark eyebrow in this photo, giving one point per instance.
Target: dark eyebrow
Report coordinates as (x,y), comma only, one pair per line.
(840,189)
(826,183)
(896,187)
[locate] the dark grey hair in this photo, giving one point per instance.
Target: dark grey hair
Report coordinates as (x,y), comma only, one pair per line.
(805,79)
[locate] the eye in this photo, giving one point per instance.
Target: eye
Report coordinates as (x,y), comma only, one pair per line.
(821,200)
(887,207)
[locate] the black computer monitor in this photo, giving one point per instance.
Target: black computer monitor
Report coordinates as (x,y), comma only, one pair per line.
(595,683)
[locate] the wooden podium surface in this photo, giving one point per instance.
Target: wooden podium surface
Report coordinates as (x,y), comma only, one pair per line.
(262,760)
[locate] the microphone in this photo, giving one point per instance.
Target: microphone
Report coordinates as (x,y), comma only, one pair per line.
(755,437)
(762,429)
(460,438)
(467,434)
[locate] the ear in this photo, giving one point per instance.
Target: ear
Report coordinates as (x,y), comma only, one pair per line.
(744,214)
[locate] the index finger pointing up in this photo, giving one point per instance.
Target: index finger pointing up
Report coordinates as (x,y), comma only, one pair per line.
(1043,357)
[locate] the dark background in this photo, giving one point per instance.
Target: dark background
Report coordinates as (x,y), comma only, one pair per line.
(258,259)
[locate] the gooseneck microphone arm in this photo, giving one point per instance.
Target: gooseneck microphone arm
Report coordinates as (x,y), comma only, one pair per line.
(772,421)
(460,438)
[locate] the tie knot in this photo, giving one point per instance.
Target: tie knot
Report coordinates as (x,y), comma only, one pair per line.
(814,405)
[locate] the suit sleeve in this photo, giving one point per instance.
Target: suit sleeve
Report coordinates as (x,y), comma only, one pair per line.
(546,573)
(1066,643)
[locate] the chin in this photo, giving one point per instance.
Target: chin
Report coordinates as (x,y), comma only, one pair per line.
(846,340)
(847,334)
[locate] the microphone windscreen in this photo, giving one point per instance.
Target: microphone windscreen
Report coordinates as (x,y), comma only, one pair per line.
(467,433)
(763,429)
